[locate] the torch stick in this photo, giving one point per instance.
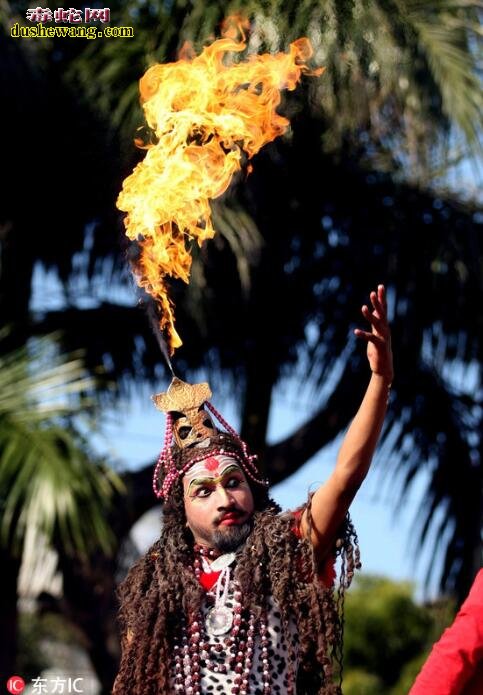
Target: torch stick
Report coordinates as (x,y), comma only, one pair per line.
(154,321)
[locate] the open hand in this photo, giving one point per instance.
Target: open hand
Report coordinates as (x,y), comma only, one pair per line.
(379,352)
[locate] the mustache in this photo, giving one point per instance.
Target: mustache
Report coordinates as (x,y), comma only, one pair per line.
(232,511)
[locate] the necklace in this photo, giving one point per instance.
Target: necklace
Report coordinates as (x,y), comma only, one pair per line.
(235,653)
(219,619)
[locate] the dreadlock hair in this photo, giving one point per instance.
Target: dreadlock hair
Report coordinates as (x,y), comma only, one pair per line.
(161,588)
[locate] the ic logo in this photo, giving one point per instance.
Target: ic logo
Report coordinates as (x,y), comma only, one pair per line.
(15,685)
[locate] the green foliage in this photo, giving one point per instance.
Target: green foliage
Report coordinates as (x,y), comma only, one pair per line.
(359,682)
(385,628)
(408,674)
(48,481)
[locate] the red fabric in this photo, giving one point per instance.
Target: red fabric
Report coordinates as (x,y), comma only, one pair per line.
(327,575)
(455,664)
(208,579)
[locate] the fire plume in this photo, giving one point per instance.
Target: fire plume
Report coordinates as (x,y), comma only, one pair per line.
(207,114)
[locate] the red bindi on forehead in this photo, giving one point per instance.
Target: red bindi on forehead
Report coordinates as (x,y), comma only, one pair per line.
(211,463)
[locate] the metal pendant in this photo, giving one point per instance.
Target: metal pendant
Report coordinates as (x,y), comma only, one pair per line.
(222,561)
(219,620)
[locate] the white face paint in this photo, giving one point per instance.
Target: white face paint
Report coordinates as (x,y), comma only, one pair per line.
(212,467)
(217,498)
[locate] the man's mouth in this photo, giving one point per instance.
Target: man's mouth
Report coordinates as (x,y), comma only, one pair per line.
(230,518)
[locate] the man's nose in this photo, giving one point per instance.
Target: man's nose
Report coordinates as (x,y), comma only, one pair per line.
(224,497)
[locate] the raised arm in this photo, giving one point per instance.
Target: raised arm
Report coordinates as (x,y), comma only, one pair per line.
(331,501)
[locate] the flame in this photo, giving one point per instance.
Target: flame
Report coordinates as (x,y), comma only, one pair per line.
(206,112)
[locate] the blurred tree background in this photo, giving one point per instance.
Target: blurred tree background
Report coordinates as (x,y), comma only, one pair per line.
(388,636)
(356,193)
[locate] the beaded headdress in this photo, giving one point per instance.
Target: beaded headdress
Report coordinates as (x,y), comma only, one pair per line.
(189,426)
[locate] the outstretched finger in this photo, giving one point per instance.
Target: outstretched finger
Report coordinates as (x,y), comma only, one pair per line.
(376,304)
(378,323)
(369,337)
(381,298)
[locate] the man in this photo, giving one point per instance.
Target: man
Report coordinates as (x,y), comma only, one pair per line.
(237,597)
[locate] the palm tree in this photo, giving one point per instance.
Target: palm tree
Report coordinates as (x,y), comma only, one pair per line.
(398,96)
(50,487)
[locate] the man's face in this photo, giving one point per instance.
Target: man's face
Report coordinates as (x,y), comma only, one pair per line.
(218,503)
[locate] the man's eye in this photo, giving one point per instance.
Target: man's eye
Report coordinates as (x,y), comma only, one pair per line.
(184,432)
(202,492)
(233,482)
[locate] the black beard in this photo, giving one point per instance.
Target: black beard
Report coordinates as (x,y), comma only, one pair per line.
(231,538)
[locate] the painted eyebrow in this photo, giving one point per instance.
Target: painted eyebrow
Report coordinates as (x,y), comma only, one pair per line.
(199,482)
(202,481)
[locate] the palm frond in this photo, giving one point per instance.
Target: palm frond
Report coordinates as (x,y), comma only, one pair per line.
(242,235)
(444,38)
(48,480)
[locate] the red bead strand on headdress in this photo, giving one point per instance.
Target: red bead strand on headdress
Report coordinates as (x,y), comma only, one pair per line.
(165,461)
(248,458)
